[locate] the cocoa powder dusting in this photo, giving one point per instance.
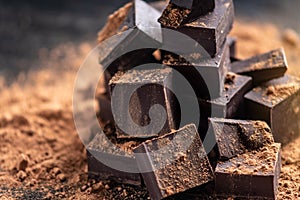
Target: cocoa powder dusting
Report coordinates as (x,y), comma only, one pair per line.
(173,16)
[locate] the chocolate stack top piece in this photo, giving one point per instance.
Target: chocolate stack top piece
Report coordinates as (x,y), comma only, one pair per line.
(185,11)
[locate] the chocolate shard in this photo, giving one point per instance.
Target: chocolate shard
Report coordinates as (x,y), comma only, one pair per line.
(209,31)
(235,137)
(263,67)
(132,113)
(206,76)
(173,163)
(253,175)
(101,149)
(123,51)
(185,11)
(277,102)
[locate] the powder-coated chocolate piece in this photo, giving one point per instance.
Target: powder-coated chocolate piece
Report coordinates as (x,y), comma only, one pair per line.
(149,87)
(278,103)
(209,31)
(253,175)
(124,51)
(185,11)
(100,148)
(206,76)
(262,67)
(230,105)
(173,163)
(235,137)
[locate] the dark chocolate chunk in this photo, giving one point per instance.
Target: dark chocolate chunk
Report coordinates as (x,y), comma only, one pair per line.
(173,163)
(132,114)
(253,174)
(262,67)
(277,102)
(136,43)
(230,105)
(234,137)
(180,12)
(206,76)
(104,112)
(209,31)
(100,149)
(231,41)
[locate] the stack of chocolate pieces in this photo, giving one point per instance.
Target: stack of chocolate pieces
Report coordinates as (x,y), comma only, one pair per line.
(171,158)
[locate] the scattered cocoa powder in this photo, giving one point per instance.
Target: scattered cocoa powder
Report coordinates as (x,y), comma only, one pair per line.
(173,16)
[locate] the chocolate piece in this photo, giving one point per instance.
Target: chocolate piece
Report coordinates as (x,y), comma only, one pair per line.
(104,111)
(252,175)
(173,163)
(234,137)
(132,114)
(124,51)
(209,31)
(101,149)
(277,102)
(206,76)
(263,67)
(180,12)
(231,41)
(230,105)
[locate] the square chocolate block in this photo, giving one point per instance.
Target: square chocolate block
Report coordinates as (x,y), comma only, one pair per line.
(134,45)
(262,67)
(235,137)
(138,93)
(173,163)
(206,76)
(251,175)
(102,156)
(180,12)
(230,105)
(277,102)
(209,31)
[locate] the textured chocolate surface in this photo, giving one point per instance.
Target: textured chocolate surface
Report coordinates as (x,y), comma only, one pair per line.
(205,75)
(262,67)
(253,175)
(151,89)
(101,148)
(178,162)
(235,137)
(277,102)
(210,31)
(230,105)
(180,12)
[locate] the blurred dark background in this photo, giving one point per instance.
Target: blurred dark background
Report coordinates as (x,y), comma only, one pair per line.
(26,26)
